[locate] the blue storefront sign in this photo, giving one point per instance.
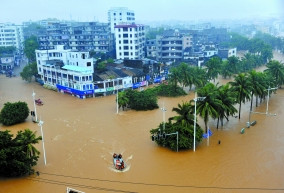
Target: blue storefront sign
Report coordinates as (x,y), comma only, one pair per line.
(74,91)
(157,80)
(136,85)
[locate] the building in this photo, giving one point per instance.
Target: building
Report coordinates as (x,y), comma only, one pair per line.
(80,36)
(11,35)
(130,41)
(120,15)
(151,48)
(171,44)
(68,71)
(225,53)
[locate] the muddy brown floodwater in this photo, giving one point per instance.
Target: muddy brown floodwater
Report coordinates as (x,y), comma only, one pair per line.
(81,136)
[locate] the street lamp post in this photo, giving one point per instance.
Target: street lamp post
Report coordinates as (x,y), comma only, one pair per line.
(34,105)
(194,130)
(40,124)
(268,98)
(164,110)
(266,112)
(117,102)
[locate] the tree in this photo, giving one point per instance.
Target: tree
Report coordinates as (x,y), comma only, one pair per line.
(209,106)
(227,98)
(226,71)
(30,45)
(184,114)
(29,71)
(123,100)
(257,87)
(276,70)
(213,67)
(183,123)
(14,160)
(233,62)
(27,139)
(144,100)
(13,113)
(101,66)
(174,77)
(242,87)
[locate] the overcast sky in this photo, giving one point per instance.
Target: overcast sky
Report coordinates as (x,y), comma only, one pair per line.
(17,11)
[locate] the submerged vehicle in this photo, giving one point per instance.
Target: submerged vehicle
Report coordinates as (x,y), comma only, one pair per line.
(118,161)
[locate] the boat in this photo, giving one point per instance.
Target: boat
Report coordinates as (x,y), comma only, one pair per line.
(38,102)
(118,161)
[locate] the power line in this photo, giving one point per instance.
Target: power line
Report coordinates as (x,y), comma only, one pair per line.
(167,185)
(47,181)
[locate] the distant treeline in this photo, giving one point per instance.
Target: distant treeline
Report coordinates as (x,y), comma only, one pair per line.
(255,44)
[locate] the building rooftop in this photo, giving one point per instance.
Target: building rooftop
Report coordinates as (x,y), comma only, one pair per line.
(129,25)
(77,69)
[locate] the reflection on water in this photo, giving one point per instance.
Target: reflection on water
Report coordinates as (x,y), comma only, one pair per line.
(82,135)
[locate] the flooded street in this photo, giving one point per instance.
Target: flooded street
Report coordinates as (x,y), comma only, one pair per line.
(81,136)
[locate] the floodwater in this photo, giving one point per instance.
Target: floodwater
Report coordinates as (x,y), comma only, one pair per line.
(80,137)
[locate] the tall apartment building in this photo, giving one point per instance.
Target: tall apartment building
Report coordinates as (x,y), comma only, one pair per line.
(69,71)
(130,41)
(11,35)
(80,36)
(171,44)
(120,15)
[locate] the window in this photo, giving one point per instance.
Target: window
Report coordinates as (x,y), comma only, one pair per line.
(89,63)
(125,35)
(38,62)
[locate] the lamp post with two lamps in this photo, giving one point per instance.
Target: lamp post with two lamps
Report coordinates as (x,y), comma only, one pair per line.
(163,134)
(266,112)
(194,132)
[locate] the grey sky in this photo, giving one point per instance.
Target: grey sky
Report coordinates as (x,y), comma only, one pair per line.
(16,11)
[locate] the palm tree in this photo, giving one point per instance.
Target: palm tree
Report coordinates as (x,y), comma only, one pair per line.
(174,77)
(242,86)
(123,100)
(226,70)
(27,139)
(184,74)
(227,97)
(257,86)
(276,70)
(185,114)
(210,105)
(233,62)
(213,68)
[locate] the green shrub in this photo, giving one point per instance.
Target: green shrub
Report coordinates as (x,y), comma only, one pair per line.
(13,113)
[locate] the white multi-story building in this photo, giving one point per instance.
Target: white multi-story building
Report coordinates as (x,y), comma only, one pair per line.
(120,15)
(69,71)
(130,41)
(11,35)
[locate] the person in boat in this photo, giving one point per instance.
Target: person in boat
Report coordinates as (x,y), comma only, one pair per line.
(121,161)
(114,158)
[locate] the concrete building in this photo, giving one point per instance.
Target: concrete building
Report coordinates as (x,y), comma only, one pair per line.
(171,44)
(120,15)
(130,41)
(151,49)
(80,36)
(68,71)
(225,53)
(11,35)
